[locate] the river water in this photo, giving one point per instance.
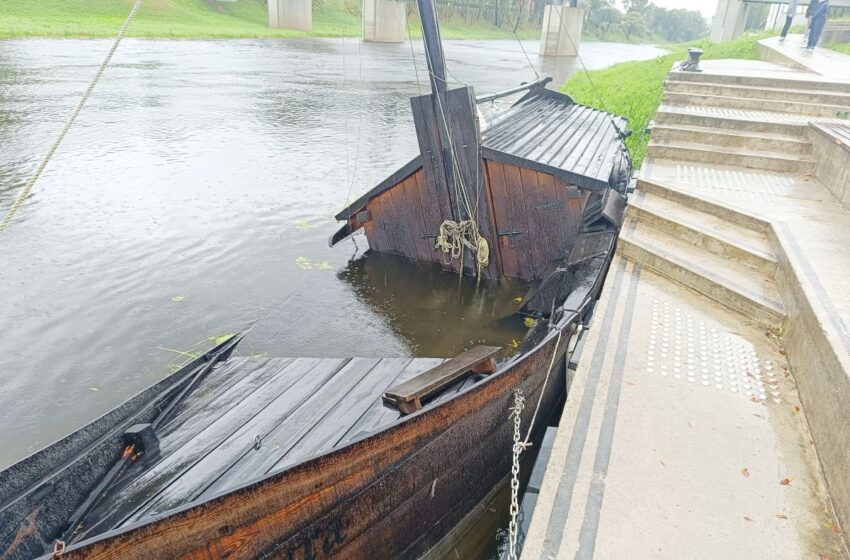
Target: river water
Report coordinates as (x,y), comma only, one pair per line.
(194,198)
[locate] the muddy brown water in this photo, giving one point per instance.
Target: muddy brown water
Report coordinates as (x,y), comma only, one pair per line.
(194,198)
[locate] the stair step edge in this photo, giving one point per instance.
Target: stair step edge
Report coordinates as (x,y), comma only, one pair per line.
(769,305)
(664,215)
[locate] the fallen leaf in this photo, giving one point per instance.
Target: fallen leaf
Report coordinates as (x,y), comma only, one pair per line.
(302,224)
(747,519)
(662,463)
(518,299)
(745,471)
(95,389)
(781,352)
(781,516)
(178,298)
(835,529)
(785,481)
(529,322)
(796,408)
(221,338)
(324,265)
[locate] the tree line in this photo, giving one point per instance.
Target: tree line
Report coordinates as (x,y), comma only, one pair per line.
(641,19)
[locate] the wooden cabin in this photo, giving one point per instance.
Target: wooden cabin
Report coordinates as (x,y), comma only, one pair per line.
(537,174)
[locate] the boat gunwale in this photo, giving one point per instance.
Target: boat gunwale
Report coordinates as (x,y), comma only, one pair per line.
(568,318)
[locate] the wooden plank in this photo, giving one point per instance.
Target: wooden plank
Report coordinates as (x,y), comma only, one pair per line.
(290,427)
(328,431)
(408,197)
(376,231)
(204,457)
(496,188)
(409,395)
(379,415)
(431,217)
(205,430)
(536,230)
(401,224)
(518,221)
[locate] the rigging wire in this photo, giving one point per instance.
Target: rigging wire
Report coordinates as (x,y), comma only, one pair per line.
(27,188)
(345,128)
(412,53)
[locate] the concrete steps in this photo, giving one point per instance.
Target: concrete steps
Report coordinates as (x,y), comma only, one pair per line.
(807,96)
(752,159)
(726,119)
(762,81)
(708,232)
(732,284)
(729,138)
(748,103)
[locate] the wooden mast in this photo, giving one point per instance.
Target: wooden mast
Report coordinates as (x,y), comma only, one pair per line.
(439,87)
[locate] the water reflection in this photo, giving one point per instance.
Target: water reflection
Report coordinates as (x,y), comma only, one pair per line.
(435,311)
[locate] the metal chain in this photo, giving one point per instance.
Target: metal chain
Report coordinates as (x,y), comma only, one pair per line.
(25,191)
(518,447)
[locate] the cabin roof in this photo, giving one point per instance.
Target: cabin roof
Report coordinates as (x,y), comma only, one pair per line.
(548,131)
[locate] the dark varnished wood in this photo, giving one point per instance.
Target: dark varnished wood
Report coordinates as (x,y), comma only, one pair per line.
(408,396)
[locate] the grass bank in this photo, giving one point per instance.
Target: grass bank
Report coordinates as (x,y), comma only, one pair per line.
(840,47)
(634,89)
(200,19)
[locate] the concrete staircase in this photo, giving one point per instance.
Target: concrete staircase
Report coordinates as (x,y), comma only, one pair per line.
(723,254)
(741,122)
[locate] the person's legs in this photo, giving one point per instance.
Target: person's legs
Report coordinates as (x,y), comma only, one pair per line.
(786,27)
(817,28)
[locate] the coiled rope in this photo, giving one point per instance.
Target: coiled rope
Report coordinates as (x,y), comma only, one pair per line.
(25,190)
(455,236)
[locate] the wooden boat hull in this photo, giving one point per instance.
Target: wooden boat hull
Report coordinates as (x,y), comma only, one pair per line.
(390,495)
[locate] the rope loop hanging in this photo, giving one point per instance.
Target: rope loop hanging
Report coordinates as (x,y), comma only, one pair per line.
(454,237)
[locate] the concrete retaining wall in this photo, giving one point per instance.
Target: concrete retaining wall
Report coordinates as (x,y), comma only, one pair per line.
(835,32)
(833,165)
(816,342)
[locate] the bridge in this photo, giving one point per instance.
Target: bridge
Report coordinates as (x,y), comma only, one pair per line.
(384,21)
(730,17)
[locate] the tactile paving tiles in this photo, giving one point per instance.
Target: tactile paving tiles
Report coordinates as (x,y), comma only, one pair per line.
(695,350)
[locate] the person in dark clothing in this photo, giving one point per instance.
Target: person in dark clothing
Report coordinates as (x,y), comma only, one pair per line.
(789,17)
(819,10)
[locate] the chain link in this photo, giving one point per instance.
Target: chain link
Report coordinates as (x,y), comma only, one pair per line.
(518,447)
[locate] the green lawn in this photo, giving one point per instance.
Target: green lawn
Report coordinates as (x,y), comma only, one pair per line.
(634,89)
(200,19)
(840,47)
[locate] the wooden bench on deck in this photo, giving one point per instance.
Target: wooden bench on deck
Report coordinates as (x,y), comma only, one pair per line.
(408,396)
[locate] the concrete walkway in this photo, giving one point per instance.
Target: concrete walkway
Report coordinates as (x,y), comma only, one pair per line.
(709,414)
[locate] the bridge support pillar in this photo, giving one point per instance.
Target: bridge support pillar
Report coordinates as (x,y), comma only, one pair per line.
(383,21)
(561,34)
(291,14)
(730,20)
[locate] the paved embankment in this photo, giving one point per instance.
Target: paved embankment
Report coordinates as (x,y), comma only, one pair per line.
(709,413)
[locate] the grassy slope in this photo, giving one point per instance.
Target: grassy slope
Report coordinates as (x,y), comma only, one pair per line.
(840,47)
(196,19)
(634,89)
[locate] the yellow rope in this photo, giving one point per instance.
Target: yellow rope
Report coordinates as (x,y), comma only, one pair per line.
(25,191)
(455,236)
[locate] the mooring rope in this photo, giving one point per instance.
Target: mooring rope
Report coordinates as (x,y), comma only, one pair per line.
(25,190)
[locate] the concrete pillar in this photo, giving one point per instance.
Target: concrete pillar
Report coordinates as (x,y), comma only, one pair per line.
(730,20)
(561,34)
(383,21)
(291,14)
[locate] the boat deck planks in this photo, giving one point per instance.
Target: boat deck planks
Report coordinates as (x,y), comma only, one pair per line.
(300,408)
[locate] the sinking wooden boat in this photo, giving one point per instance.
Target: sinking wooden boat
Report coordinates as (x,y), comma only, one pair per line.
(357,457)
